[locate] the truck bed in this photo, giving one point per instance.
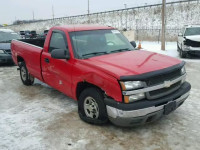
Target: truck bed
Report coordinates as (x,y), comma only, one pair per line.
(36,42)
(30,50)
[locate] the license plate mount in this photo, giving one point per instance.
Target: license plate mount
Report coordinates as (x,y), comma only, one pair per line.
(168,108)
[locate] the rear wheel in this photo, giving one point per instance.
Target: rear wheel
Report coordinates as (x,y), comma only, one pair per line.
(26,78)
(91,106)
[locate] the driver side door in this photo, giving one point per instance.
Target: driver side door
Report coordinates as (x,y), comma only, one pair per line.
(57,72)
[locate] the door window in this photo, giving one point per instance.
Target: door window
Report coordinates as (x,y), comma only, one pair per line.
(57,42)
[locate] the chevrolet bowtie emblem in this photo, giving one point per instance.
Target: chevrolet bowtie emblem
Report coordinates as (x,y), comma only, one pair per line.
(167,84)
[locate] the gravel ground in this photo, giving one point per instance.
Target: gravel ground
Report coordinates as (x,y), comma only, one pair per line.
(39,117)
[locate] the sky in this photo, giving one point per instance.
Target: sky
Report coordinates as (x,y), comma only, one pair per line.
(11,10)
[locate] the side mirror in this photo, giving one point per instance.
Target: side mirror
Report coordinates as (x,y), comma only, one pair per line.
(133,44)
(180,34)
(60,54)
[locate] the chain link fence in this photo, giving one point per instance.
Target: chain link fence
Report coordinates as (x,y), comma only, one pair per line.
(155,34)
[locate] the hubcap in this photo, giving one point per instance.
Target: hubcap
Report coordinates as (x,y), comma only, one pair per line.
(23,73)
(91,108)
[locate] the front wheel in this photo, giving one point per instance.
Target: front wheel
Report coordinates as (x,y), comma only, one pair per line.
(91,107)
(182,53)
(26,78)
(178,48)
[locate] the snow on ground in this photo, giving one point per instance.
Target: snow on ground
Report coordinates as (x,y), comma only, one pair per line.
(171,48)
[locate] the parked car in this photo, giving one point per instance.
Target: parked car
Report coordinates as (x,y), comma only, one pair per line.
(27,34)
(46,32)
(98,66)
(6,35)
(43,35)
(33,34)
(189,41)
(22,34)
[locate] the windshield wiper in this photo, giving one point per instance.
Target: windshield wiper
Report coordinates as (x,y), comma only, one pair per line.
(120,50)
(94,54)
(100,53)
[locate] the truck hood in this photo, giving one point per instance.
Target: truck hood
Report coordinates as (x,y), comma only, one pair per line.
(4,45)
(193,38)
(130,63)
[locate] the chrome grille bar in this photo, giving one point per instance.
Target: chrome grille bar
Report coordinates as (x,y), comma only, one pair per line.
(156,87)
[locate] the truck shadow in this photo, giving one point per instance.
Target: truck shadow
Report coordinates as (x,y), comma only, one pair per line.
(70,128)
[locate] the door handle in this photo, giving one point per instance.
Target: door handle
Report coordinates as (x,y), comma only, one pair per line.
(46,60)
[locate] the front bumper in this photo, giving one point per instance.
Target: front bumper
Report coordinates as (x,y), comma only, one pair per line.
(145,111)
(5,58)
(193,50)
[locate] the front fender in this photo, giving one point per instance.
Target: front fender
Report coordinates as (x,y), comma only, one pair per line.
(106,82)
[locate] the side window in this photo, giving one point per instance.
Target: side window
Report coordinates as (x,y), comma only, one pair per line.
(57,42)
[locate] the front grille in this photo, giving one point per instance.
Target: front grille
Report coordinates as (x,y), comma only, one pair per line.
(192,43)
(165,77)
(8,51)
(160,80)
(164,91)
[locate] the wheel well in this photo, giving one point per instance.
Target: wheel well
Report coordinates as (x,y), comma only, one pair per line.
(20,59)
(83,85)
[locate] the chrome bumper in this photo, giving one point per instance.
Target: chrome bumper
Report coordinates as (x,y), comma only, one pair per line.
(129,118)
(194,48)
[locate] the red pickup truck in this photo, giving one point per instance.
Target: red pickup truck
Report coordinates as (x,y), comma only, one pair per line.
(100,68)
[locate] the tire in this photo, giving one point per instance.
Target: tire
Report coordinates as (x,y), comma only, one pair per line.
(178,48)
(92,98)
(26,78)
(182,53)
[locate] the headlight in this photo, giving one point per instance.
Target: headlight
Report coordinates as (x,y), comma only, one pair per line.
(1,51)
(183,71)
(133,98)
(131,85)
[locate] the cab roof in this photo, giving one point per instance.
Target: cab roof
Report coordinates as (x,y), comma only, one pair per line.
(85,27)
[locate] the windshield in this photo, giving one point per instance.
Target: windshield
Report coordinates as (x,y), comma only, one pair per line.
(8,36)
(192,31)
(98,42)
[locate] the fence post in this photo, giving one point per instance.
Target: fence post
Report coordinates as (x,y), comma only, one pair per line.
(158,35)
